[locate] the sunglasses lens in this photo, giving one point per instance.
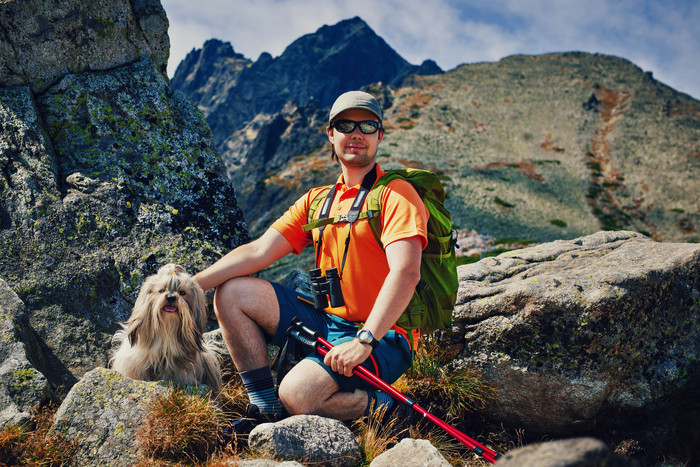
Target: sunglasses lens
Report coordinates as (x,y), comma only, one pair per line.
(369,127)
(344,126)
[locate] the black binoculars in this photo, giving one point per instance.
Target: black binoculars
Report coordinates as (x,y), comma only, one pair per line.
(326,287)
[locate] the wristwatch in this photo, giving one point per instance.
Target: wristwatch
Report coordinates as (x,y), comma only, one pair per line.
(366,337)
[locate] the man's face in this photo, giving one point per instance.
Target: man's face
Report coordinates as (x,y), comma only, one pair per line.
(355,149)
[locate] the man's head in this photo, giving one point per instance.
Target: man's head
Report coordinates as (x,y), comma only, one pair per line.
(355,128)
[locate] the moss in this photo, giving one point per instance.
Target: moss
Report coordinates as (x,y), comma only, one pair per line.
(21,380)
(105,27)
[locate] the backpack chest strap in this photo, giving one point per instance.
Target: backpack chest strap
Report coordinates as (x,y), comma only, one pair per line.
(338,219)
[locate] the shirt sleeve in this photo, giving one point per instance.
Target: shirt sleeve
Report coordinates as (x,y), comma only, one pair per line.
(404,214)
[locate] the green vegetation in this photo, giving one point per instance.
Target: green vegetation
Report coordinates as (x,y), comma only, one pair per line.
(501,202)
(558,223)
(461,390)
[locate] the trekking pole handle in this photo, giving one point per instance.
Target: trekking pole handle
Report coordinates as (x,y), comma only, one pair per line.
(305,340)
(303,330)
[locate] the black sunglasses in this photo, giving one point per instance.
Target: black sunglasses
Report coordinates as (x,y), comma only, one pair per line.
(348,126)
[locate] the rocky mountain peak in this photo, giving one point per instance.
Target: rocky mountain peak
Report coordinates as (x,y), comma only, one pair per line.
(317,67)
(209,72)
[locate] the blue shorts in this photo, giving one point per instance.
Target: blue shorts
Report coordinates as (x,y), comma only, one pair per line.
(392,355)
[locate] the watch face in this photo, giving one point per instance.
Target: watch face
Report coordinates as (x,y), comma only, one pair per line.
(364,336)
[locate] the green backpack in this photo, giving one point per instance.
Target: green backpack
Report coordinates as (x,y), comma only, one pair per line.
(433,301)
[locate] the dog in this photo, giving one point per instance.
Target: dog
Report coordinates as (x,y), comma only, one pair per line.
(164,337)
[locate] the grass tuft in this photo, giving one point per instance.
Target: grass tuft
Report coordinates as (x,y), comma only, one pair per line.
(233,398)
(461,390)
(179,427)
(35,444)
(374,437)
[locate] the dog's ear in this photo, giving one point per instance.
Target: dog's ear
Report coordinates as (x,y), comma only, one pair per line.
(199,304)
(140,315)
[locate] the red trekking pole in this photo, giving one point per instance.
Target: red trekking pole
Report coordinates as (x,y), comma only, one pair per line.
(299,331)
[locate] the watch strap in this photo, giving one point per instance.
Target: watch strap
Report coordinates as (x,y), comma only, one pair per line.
(374,342)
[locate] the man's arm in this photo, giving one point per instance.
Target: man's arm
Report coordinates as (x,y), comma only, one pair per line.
(246,259)
(404,258)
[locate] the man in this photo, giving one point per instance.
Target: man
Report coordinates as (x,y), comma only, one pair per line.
(377,284)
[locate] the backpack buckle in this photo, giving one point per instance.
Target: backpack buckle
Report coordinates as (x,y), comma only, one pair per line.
(349,217)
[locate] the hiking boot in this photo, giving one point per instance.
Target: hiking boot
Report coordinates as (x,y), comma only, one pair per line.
(240,428)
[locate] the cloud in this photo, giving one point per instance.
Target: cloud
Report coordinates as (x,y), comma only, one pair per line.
(655,35)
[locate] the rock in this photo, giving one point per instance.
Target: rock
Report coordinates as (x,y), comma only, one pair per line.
(44,41)
(103,412)
(577,452)
(298,280)
(105,177)
(570,330)
(22,387)
(308,439)
(411,452)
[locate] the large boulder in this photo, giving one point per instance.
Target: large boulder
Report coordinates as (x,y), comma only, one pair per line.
(104,175)
(309,439)
(570,331)
(576,452)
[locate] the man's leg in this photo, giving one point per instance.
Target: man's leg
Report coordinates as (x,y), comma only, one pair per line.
(309,389)
(247,310)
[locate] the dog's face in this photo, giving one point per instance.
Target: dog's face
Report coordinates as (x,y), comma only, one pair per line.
(170,301)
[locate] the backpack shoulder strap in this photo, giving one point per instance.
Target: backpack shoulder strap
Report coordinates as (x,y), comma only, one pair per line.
(318,199)
(374,202)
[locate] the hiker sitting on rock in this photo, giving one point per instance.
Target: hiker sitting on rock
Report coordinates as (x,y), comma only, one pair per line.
(376,284)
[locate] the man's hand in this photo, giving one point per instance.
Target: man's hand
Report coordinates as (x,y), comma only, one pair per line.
(343,358)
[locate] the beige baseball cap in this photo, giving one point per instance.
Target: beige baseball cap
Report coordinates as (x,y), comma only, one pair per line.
(355,100)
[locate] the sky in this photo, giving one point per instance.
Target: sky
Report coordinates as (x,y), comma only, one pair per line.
(661,36)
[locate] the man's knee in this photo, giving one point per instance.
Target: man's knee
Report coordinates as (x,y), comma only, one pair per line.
(292,399)
(249,297)
(225,295)
(305,388)
(242,292)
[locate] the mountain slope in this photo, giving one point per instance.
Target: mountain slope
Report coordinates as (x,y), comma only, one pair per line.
(556,146)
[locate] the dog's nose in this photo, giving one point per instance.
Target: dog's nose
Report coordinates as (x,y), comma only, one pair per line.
(170,298)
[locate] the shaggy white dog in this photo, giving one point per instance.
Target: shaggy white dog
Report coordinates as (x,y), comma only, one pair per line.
(163,339)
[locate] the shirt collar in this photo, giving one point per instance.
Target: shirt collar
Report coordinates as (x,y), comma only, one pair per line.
(341,181)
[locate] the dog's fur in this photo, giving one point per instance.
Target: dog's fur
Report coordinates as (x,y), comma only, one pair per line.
(163,338)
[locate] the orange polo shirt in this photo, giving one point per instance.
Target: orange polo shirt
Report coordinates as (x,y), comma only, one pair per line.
(403,216)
